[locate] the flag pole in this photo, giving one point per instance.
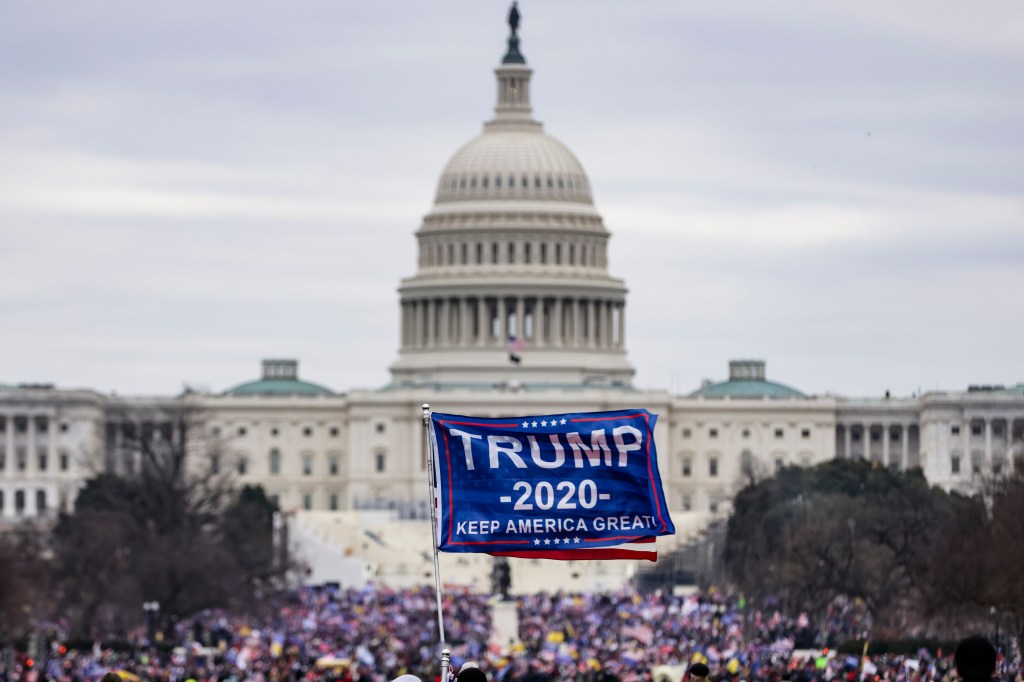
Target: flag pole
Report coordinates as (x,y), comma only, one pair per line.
(434,509)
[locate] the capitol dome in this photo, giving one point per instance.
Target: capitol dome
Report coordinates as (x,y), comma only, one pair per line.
(512,286)
(514,164)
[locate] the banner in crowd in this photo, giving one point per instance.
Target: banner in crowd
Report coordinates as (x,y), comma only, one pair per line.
(562,486)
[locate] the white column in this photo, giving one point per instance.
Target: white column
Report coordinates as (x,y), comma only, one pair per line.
(622,324)
(906,445)
(502,322)
(541,321)
(520,318)
(556,322)
(885,444)
(591,323)
(848,442)
(30,446)
(608,336)
(464,321)
(446,321)
(988,444)
(481,321)
(9,447)
(577,306)
(428,323)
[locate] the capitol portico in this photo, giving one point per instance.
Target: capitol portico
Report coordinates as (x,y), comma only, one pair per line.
(512,310)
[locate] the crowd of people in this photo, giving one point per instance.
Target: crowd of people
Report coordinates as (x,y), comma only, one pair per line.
(378,634)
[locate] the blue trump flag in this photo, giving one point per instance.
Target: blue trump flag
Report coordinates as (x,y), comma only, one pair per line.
(562,486)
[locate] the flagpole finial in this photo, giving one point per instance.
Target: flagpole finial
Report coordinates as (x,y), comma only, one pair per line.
(426,412)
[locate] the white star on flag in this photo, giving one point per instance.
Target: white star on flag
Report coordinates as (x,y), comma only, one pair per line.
(526,424)
(563,421)
(544,423)
(537,541)
(534,424)
(546,541)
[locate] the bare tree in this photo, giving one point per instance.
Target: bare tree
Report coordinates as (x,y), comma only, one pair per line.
(164,525)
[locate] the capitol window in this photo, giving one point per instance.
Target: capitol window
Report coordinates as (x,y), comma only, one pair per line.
(687,466)
(462,183)
(536,181)
(779,433)
(561,183)
(526,253)
(472,182)
(511,252)
(955,430)
(551,184)
(497,182)
(713,467)
(307,465)
(379,461)
(543,253)
(954,465)
(494,252)
(275,462)
(805,433)
(526,182)
(712,433)
(479,253)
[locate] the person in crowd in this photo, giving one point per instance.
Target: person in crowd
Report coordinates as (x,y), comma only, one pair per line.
(975,659)
(699,672)
(470,673)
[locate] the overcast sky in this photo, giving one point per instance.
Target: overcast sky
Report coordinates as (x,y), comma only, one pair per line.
(835,187)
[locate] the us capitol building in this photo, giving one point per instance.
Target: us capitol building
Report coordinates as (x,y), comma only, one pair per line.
(512,310)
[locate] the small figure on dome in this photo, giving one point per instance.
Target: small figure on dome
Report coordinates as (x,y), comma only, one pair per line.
(513,17)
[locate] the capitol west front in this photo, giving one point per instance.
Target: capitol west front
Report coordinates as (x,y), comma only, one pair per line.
(513,310)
